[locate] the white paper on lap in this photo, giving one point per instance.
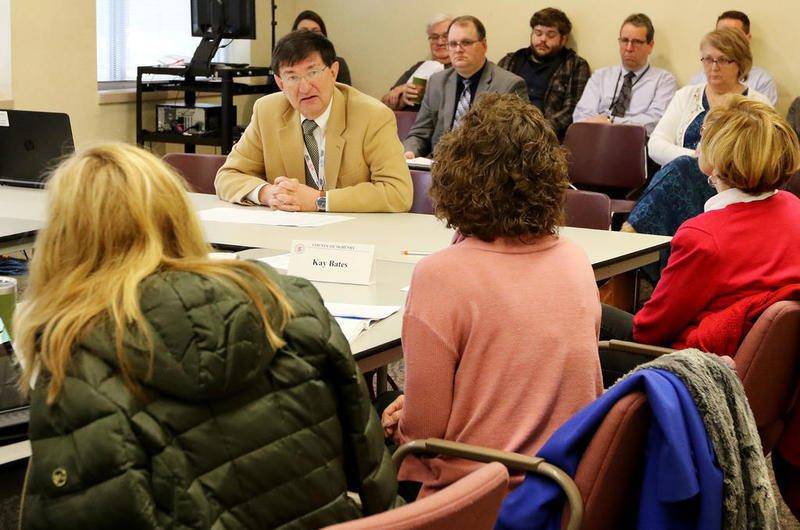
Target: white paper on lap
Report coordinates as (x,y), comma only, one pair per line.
(419,162)
(426,70)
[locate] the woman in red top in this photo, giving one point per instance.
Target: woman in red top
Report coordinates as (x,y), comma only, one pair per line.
(745,242)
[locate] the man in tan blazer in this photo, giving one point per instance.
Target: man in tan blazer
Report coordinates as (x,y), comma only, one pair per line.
(317,145)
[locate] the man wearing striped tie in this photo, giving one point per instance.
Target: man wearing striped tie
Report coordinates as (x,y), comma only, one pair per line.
(317,145)
(449,94)
(634,92)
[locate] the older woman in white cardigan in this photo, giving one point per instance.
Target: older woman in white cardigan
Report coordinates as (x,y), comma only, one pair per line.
(679,190)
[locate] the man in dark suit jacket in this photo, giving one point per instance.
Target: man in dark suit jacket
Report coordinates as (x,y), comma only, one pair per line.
(449,94)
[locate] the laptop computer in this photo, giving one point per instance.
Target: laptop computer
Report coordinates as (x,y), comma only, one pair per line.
(31,145)
(14,413)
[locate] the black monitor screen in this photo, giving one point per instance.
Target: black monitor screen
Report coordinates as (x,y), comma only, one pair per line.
(231,19)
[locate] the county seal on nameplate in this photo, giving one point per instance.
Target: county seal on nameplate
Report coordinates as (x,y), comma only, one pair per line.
(326,261)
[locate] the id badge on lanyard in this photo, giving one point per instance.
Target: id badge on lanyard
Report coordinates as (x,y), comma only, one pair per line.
(319,178)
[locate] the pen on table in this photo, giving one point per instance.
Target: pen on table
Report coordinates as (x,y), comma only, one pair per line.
(416,253)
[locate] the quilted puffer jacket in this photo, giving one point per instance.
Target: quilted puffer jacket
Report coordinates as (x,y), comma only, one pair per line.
(230,434)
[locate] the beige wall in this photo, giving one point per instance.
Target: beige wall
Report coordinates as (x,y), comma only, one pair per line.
(5,50)
(53,47)
(54,65)
(380,39)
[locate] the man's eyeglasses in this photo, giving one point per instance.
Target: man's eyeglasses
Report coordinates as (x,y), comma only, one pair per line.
(435,37)
(463,44)
(636,43)
(722,61)
(310,76)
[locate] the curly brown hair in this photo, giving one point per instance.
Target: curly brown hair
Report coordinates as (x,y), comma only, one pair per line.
(501,172)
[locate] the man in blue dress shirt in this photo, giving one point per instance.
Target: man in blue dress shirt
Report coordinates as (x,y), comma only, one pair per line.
(633,92)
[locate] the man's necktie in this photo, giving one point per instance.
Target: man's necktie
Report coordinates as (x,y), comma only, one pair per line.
(623,102)
(463,104)
(309,126)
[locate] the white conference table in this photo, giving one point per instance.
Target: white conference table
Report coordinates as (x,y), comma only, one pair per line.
(610,253)
(380,344)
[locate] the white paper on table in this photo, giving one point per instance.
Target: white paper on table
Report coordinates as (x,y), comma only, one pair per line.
(280,262)
(426,70)
(352,327)
(365,311)
(260,216)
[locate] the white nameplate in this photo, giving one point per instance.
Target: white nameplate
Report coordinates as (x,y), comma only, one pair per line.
(326,261)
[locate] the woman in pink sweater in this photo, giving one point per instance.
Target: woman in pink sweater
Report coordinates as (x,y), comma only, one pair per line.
(500,330)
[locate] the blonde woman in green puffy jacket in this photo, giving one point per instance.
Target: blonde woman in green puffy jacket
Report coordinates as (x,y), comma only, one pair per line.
(172,391)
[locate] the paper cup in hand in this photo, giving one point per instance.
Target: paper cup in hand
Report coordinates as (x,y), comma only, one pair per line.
(420,83)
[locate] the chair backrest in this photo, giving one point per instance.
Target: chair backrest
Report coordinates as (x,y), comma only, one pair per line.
(198,170)
(768,363)
(422,183)
(472,502)
(588,209)
(606,156)
(609,473)
(405,119)
(792,185)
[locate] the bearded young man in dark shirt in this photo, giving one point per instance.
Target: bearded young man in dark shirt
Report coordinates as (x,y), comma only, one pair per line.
(554,74)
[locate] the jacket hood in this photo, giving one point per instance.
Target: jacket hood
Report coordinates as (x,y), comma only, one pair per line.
(207,337)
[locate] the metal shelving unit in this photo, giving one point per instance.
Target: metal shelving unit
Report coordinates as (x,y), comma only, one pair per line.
(223,83)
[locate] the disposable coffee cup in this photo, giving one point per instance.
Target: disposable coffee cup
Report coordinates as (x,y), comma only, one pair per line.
(420,83)
(8,301)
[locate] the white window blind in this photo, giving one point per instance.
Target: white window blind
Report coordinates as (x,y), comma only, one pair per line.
(133,33)
(5,50)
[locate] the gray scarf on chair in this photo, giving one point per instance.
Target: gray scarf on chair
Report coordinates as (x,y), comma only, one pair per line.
(748,500)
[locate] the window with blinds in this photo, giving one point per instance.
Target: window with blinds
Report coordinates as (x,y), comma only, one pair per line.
(133,33)
(5,50)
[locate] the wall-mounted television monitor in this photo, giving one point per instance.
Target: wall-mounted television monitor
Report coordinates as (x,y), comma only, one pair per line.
(229,19)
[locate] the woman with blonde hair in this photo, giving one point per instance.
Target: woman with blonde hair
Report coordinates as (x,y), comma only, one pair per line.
(169,390)
(677,191)
(745,243)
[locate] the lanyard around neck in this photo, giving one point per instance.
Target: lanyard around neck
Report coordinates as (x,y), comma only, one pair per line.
(319,178)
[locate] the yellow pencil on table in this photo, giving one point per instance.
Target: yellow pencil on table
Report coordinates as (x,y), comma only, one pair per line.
(416,253)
